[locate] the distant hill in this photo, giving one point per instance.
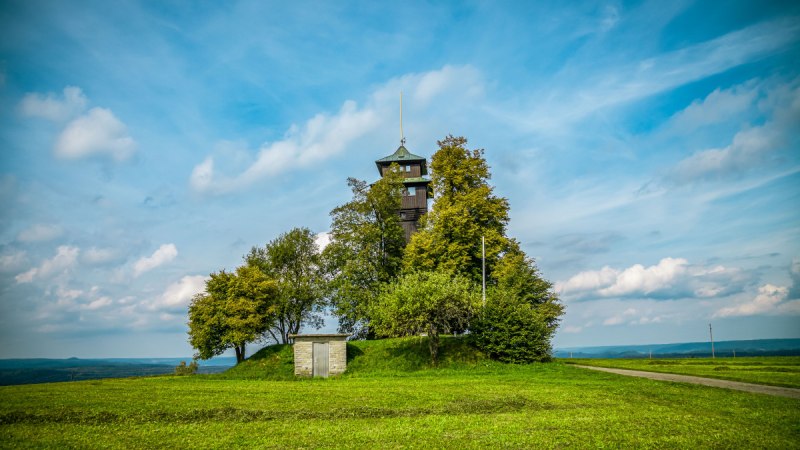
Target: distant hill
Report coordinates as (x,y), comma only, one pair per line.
(42,370)
(757,347)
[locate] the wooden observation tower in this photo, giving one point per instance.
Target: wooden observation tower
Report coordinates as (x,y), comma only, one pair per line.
(415,192)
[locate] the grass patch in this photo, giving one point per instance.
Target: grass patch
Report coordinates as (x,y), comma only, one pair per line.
(770,370)
(391,397)
(538,405)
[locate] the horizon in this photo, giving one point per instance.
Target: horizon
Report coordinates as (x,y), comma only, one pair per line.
(648,152)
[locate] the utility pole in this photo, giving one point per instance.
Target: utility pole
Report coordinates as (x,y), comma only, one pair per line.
(711,335)
(483,266)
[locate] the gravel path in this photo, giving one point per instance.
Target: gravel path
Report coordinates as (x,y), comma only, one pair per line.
(736,385)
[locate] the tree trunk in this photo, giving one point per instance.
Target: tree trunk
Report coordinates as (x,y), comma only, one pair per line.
(239,353)
(433,344)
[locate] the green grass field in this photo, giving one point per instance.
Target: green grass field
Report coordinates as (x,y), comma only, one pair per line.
(391,398)
(772,370)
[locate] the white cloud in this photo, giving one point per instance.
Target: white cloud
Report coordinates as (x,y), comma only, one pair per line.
(750,147)
(63,260)
(324,135)
(178,295)
(670,278)
(39,233)
(718,106)
(10,262)
(771,299)
(588,280)
(96,133)
(638,279)
(94,255)
(321,137)
(98,303)
(620,318)
(72,103)
(164,254)
(572,329)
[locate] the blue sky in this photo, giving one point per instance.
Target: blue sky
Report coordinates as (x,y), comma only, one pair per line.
(649,151)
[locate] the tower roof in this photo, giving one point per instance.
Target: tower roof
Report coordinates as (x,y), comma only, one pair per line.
(400,156)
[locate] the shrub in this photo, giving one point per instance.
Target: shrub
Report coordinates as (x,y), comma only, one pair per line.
(511,330)
(183,369)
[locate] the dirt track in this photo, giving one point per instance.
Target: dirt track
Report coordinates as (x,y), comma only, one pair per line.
(736,385)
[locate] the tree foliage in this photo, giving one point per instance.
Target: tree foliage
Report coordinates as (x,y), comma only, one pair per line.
(465,209)
(235,309)
(424,302)
(366,249)
(292,260)
(522,312)
(511,330)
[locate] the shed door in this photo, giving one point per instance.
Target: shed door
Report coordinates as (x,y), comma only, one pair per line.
(320,359)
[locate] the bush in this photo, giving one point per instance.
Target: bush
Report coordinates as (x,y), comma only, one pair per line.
(511,330)
(183,369)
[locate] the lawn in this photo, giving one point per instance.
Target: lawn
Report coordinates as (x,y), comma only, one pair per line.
(772,370)
(470,403)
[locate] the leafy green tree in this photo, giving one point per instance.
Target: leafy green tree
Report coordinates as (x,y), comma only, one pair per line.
(465,209)
(234,309)
(424,302)
(293,261)
(516,276)
(366,249)
(522,312)
(511,330)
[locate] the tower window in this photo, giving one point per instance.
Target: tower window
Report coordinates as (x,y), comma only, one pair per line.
(411,191)
(408,168)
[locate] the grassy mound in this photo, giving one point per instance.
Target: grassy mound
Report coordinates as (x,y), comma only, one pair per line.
(367,358)
(274,362)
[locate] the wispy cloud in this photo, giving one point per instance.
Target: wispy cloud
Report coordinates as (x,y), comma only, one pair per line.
(326,135)
(12,261)
(64,259)
(51,107)
(40,233)
(750,148)
(164,254)
(556,110)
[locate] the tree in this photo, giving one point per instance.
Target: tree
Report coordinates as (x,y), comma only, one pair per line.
(366,249)
(233,310)
(424,302)
(522,312)
(465,209)
(293,261)
(511,330)
(516,276)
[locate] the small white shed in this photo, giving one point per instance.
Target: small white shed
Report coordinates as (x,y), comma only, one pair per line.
(319,355)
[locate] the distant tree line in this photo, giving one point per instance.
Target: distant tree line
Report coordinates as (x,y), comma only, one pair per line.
(379,286)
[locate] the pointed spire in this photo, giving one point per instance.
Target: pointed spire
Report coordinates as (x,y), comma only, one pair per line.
(402,138)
